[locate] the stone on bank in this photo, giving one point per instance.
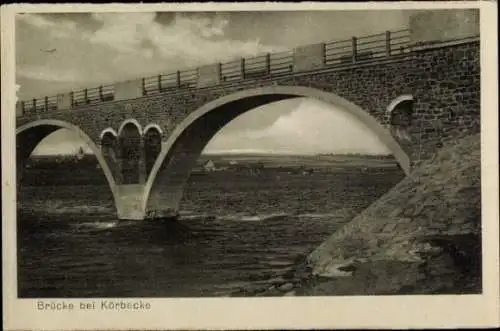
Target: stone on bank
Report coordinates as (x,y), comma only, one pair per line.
(423,236)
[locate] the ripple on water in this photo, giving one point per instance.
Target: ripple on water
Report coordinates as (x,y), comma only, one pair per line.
(226,238)
(98,225)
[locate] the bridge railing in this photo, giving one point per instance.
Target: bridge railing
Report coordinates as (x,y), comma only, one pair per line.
(231,71)
(188,78)
(282,62)
(335,53)
(399,41)
(338,51)
(41,104)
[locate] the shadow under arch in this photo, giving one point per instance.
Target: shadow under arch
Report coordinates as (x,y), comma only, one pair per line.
(109,149)
(130,150)
(31,134)
(394,103)
(152,137)
(184,145)
(128,122)
(152,126)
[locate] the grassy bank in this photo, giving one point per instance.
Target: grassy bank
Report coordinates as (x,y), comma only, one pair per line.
(423,236)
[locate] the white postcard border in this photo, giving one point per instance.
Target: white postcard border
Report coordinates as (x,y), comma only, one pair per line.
(415,311)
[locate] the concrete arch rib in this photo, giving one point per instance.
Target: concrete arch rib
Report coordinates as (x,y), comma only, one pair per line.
(130,121)
(85,138)
(253,98)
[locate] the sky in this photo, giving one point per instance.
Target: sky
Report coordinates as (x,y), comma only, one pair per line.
(96,48)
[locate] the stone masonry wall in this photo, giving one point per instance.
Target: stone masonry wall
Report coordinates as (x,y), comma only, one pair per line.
(448,97)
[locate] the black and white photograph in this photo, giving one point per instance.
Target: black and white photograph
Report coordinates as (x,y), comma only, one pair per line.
(272,154)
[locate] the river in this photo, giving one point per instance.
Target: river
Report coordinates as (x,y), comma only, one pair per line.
(234,231)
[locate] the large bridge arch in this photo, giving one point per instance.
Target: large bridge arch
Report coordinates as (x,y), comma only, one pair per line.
(184,145)
(29,135)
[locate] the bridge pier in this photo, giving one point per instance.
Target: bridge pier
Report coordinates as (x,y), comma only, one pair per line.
(130,201)
(131,204)
(164,203)
(131,165)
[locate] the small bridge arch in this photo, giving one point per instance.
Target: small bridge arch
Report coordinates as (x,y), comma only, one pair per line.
(184,145)
(152,136)
(110,131)
(130,149)
(394,103)
(129,121)
(152,126)
(399,115)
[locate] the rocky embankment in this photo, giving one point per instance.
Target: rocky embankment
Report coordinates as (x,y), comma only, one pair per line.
(423,236)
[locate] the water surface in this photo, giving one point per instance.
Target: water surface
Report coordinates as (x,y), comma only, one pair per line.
(235,231)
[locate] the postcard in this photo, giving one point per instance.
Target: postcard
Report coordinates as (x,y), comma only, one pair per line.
(250,166)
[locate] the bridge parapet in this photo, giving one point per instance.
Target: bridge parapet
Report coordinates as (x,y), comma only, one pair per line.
(64,101)
(447,25)
(131,89)
(301,59)
(309,57)
(209,75)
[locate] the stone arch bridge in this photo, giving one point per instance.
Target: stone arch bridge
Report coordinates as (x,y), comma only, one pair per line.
(148,133)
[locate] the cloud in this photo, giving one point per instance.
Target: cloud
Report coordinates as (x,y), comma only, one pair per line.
(60,148)
(186,41)
(61,142)
(123,32)
(313,127)
(18,87)
(110,47)
(60,29)
(49,74)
